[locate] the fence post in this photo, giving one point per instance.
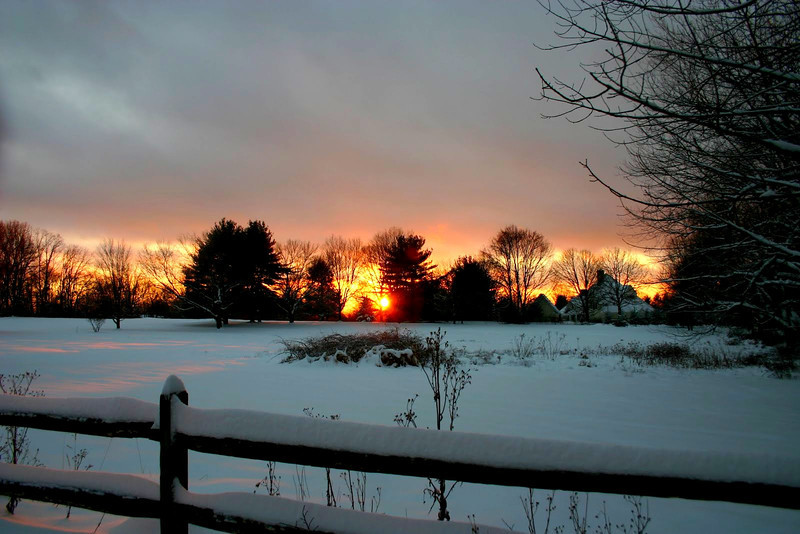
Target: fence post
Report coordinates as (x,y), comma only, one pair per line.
(174,457)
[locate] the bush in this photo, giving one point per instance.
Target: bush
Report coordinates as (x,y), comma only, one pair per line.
(522,348)
(682,356)
(395,346)
(14,441)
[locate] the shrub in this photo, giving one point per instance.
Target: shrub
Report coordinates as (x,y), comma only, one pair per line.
(15,444)
(682,356)
(97,323)
(522,348)
(396,347)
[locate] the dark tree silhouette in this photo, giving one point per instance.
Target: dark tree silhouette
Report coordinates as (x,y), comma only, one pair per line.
(471,290)
(322,298)
(74,279)
(577,270)
(231,266)
(518,259)
(375,253)
(705,97)
(17,255)
(627,272)
(346,260)
(44,274)
(119,284)
(292,285)
(404,268)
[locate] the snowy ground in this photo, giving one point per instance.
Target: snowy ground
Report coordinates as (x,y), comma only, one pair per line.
(612,401)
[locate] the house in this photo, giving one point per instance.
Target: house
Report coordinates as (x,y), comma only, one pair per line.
(608,300)
(541,309)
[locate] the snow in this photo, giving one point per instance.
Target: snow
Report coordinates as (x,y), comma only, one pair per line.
(715,417)
(486,450)
(277,510)
(111,409)
(172,384)
(782,144)
(129,486)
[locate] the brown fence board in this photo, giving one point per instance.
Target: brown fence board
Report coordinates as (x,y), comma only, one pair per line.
(112,493)
(653,486)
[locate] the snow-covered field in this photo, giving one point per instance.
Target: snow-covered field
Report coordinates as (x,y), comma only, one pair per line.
(610,401)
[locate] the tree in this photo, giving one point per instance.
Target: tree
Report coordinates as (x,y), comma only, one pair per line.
(374,254)
(323,300)
(164,265)
(577,269)
(704,96)
(44,273)
(74,280)
(119,284)
(231,264)
(471,290)
(17,254)
(518,260)
(404,268)
(293,284)
(627,272)
(345,258)
(436,302)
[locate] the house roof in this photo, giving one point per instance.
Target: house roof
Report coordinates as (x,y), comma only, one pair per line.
(603,301)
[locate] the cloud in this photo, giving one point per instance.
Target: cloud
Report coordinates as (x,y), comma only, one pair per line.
(148,120)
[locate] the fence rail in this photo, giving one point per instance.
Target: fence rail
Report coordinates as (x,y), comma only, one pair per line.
(753,479)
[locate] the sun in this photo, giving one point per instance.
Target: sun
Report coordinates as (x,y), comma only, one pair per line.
(384,302)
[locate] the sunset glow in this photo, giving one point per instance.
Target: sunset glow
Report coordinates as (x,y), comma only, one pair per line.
(297,135)
(314,135)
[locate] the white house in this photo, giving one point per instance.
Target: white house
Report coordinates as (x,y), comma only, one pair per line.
(605,298)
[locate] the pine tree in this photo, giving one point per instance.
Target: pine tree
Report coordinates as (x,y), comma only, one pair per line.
(404,268)
(231,270)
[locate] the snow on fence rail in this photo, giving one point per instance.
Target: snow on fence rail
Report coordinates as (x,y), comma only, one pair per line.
(745,478)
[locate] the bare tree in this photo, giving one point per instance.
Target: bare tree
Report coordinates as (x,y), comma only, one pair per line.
(518,260)
(164,263)
(44,273)
(17,254)
(292,285)
(577,269)
(628,274)
(705,97)
(345,258)
(73,278)
(375,254)
(119,283)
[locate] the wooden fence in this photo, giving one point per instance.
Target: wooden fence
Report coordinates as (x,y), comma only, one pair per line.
(754,479)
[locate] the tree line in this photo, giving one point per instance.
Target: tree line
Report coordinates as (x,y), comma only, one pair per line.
(235,271)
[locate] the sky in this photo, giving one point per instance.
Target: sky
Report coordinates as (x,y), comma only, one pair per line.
(145,121)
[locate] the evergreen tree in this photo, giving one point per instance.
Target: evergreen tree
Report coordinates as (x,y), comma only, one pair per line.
(404,268)
(231,269)
(471,290)
(322,301)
